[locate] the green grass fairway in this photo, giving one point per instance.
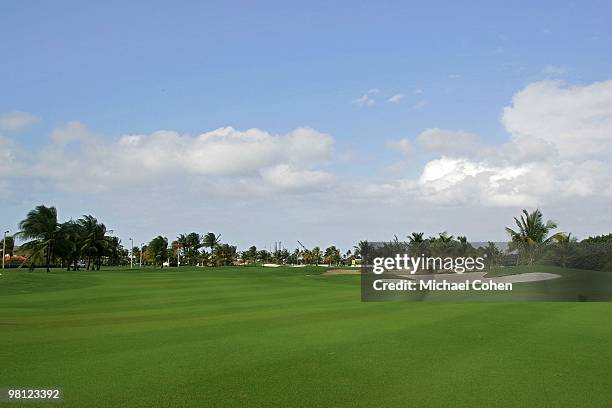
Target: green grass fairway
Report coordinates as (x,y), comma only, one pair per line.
(287,337)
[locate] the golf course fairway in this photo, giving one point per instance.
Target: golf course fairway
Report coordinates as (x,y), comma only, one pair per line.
(289,337)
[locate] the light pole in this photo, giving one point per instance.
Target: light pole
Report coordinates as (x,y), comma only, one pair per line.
(141,246)
(132,254)
(4,248)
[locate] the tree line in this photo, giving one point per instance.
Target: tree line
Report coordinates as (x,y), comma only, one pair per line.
(87,243)
(531,241)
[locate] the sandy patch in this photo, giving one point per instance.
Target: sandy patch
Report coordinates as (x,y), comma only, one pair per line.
(526,277)
(472,276)
(342,272)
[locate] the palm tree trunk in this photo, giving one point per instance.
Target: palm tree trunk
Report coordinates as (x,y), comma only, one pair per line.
(48,257)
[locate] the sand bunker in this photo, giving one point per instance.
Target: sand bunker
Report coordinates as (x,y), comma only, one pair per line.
(461,277)
(471,276)
(342,272)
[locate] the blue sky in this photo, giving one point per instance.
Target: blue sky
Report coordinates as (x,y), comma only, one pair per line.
(192,67)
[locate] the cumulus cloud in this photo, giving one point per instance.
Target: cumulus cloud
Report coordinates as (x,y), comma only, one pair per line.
(285,177)
(14,121)
(71,132)
(560,146)
(10,162)
(364,100)
(93,163)
(448,142)
(557,154)
(397,98)
(576,120)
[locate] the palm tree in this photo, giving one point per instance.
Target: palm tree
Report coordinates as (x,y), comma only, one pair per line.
(115,251)
(250,255)
(532,233)
(416,238)
(157,250)
(192,247)
(563,248)
(69,243)
(226,255)
(94,244)
(416,243)
(332,255)
(316,255)
(492,254)
(444,238)
(41,228)
(211,241)
(9,247)
(181,244)
(362,248)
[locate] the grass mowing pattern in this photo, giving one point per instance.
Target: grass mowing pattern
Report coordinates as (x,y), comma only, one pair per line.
(277,337)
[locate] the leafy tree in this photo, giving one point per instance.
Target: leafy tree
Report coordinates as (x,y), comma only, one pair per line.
(204,258)
(492,254)
(193,244)
(362,248)
(250,255)
(532,234)
(313,256)
(116,253)
(294,257)
(10,245)
(180,245)
(417,244)
(41,228)
(263,255)
(225,255)
(332,255)
(211,241)
(69,245)
(348,257)
(157,250)
(95,242)
(599,239)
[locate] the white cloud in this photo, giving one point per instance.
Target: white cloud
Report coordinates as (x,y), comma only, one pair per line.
(418,91)
(14,121)
(71,132)
(364,100)
(560,147)
(448,142)
(576,120)
(10,160)
(284,161)
(284,177)
(557,155)
(397,98)
(454,76)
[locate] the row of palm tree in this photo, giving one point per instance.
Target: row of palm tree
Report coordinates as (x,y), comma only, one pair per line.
(49,241)
(207,249)
(87,242)
(529,241)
